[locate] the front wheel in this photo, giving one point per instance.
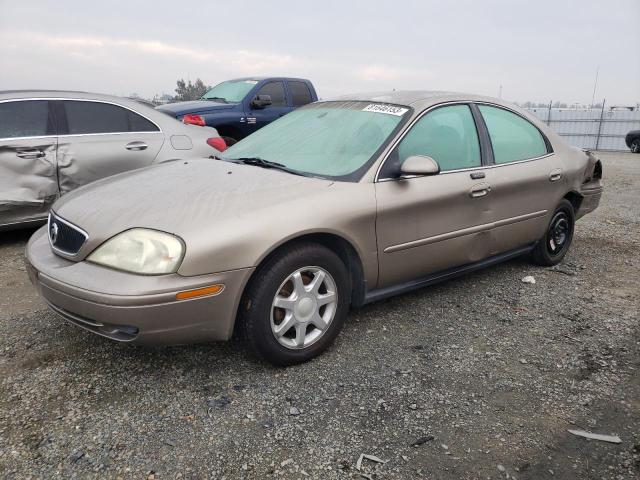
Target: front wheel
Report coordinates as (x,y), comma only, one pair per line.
(635,146)
(552,248)
(296,304)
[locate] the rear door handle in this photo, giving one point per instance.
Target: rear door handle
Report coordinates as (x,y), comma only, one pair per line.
(555,175)
(31,153)
(480,190)
(136,146)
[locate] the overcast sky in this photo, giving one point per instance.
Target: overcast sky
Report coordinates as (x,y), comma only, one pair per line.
(538,50)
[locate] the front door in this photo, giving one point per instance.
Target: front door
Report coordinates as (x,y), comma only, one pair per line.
(28,182)
(428,224)
(99,139)
(257,118)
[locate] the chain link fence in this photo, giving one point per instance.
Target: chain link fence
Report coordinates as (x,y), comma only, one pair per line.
(592,128)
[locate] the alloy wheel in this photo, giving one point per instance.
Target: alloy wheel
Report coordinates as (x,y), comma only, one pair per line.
(303,308)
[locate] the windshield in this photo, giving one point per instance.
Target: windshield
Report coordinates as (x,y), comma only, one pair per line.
(232,91)
(329,139)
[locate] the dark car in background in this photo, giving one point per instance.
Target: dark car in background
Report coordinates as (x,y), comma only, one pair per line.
(52,142)
(237,108)
(633,141)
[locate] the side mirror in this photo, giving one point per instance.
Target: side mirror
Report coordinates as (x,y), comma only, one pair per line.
(419,165)
(261,101)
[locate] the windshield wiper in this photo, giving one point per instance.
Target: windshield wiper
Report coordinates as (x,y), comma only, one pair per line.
(222,99)
(261,162)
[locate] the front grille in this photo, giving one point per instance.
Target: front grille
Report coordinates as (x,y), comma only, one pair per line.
(64,236)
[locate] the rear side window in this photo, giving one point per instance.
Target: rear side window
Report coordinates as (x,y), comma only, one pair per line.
(300,93)
(28,118)
(96,117)
(513,138)
(446,134)
(276,91)
(138,123)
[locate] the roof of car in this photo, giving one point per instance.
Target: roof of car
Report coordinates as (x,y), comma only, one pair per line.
(43,93)
(416,98)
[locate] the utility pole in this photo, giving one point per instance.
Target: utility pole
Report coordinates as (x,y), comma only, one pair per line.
(500,92)
(595,84)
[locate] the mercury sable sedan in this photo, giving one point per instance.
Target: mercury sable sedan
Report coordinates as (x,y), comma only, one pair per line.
(335,205)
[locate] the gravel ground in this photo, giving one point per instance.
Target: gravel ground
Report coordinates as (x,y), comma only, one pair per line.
(479,377)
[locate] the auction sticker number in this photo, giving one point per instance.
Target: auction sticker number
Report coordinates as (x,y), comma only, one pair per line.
(388,109)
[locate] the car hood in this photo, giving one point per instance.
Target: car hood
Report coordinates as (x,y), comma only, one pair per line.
(196,106)
(185,198)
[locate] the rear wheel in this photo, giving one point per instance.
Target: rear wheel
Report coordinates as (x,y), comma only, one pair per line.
(635,146)
(296,304)
(552,248)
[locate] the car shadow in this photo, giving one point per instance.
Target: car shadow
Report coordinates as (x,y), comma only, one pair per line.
(14,237)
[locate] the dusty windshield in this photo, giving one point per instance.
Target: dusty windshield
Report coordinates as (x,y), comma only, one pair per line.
(232,91)
(329,139)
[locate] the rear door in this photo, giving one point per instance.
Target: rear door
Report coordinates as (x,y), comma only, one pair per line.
(100,139)
(525,183)
(259,117)
(28,182)
(299,93)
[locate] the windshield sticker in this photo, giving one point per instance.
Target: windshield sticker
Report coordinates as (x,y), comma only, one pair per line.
(252,82)
(388,109)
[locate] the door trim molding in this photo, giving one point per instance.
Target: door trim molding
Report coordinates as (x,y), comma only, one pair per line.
(464,231)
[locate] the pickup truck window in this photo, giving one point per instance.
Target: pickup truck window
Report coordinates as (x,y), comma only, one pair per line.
(276,91)
(300,93)
(232,91)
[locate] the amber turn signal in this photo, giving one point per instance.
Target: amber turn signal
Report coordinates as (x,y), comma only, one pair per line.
(200,292)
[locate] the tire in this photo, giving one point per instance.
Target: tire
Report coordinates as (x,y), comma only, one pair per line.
(635,146)
(555,243)
(288,333)
(229,141)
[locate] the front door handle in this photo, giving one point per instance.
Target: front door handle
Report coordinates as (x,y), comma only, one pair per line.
(480,190)
(555,175)
(136,146)
(30,153)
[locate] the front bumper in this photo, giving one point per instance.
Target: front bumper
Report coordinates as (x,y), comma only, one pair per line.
(134,308)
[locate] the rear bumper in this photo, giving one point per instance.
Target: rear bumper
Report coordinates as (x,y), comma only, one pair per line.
(133,308)
(591,194)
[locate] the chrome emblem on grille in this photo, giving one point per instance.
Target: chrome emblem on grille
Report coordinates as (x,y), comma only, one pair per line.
(53,232)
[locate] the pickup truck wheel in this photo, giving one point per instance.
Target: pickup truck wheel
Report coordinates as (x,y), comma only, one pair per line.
(552,248)
(296,305)
(229,141)
(635,146)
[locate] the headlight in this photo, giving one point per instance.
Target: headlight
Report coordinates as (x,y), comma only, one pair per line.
(140,250)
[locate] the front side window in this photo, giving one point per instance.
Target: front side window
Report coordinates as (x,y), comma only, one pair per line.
(96,117)
(276,91)
(300,93)
(329,139)
(513,138)
(28,118)
(446,134)
(232,91)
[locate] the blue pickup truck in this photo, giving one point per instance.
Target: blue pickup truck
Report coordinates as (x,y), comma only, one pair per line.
(237,108)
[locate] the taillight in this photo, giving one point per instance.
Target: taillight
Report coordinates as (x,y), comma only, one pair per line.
(192,119)
(218,143)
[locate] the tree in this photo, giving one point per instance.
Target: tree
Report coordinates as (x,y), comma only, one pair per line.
(190,91)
